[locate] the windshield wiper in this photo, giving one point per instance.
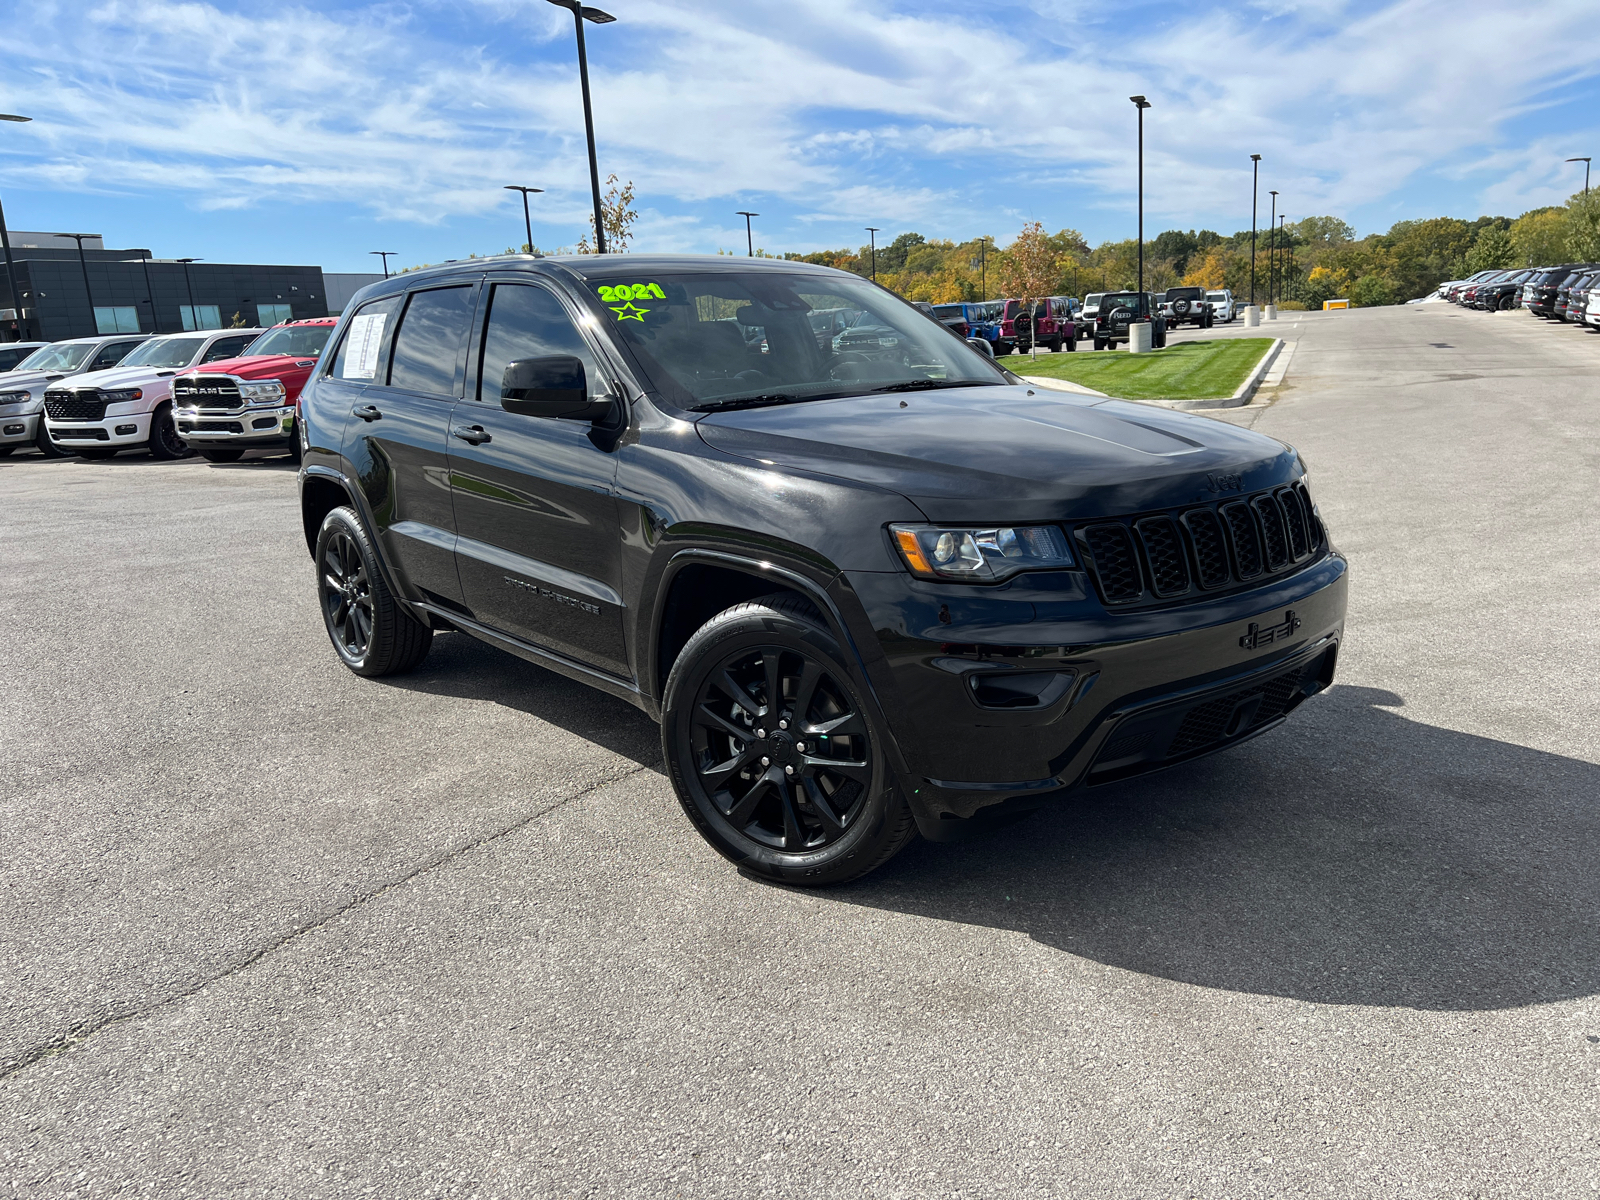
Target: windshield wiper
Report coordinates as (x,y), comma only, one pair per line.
(918,385)
(762,401)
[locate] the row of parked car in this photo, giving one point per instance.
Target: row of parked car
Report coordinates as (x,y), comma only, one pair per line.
(216,392)
(1059,323)
(1568,293)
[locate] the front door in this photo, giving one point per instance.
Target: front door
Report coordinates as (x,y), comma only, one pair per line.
(399,428)
(535,503)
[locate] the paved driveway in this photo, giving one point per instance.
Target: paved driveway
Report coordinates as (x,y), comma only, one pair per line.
(271,930)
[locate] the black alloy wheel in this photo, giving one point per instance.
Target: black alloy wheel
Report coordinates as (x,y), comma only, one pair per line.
(222,456)
(373,634)
(165,443)
(772,752)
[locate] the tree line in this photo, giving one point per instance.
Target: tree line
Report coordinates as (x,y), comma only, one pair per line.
(1304,262)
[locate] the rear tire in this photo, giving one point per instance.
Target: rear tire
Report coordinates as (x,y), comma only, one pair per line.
(372,632)
(772,667)
(165,444)
(222,456)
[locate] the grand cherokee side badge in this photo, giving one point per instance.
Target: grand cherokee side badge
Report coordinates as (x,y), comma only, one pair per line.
(1255,637)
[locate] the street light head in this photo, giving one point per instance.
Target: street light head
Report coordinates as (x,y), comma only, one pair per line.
(742,213)
(515,187)
(13,117)
(1140,101)
(1583,159)
(1255,158)
(597,16)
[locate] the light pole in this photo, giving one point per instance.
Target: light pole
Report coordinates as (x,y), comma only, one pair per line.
(749,238)
(155,318)
(11,266)
(1255,174)
(194,317)
(1283,260)
(580,14)
(84,263)
(527,221)
(1583,160)
(1141,104)
(1272,248)
(872,236)
(383,254)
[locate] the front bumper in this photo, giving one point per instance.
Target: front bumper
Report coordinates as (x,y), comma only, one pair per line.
(242,429)
(19,428)
(130,430)
(1118,696)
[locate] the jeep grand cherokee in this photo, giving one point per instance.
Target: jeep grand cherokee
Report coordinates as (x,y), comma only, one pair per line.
(864,595)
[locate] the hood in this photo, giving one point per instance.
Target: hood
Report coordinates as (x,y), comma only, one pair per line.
(260,366)
(1009,453)
(118,378)
(14,381)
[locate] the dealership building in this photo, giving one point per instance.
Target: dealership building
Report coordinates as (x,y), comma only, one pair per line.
(68,292)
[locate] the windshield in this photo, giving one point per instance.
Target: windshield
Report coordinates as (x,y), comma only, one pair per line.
(296,341)
(63,356)
(722,339)
(165,352)
(1092,299)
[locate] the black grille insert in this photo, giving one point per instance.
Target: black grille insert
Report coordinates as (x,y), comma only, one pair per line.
(1295,519)
(1210,551)
(1242,537)
(1163,550)
(1273,536)
(63,405)
(1115,563)
(1237,712)
(80,435)
(210,427)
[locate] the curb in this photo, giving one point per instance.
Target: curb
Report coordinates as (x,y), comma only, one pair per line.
(1245,390)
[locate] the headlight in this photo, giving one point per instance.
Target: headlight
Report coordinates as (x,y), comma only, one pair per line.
(981,555)
(269,392)
(15,397)
(123,397)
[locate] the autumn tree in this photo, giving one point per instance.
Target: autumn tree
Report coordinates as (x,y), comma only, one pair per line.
(1540,237)
(1583,227)
(616,210)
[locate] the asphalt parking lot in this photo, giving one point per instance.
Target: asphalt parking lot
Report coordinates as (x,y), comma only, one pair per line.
(272,930)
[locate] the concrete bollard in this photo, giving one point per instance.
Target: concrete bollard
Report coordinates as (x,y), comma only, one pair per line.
(1272,312)
(1252,316)
(1139,337)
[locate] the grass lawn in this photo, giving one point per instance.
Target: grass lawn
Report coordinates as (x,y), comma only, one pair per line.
(1186,371)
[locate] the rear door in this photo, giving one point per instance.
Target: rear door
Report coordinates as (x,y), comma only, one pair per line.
(539,548)
(397,439)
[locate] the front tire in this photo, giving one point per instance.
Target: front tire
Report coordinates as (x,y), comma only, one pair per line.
(371,631)
(43,444)
(772,752)
(165,444)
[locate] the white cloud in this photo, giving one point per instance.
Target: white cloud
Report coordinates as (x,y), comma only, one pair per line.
(845,109)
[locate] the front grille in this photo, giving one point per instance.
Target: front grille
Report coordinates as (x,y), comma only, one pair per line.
(64,405)
(1189,552)
(1164,556)
(1111,550)
(80,435)
(1211,721)
(206,392)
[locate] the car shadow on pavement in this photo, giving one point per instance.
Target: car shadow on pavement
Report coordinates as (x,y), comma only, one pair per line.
(1353,856)
(468,669)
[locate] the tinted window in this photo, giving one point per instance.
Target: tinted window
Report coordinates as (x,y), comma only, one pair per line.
(111,355)
(428,344)
(165,352)
(528,322)
(229,347)
(301,341)
(361,344)
(10,358)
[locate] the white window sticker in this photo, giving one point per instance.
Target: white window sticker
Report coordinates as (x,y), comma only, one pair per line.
(366,336)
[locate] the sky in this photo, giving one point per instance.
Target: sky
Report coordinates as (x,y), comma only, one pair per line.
(314,135)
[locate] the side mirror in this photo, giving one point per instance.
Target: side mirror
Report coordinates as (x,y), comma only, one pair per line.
(554,386)
(981,346)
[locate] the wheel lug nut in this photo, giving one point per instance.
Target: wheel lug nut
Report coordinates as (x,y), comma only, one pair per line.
(800,746)
(761,733)
(766,762)
(788,770)
(783,724)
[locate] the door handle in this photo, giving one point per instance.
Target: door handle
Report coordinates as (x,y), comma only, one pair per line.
(366,412)
(475,434)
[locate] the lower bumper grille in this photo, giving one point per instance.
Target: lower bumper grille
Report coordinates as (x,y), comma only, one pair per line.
(210,427)
(80,435)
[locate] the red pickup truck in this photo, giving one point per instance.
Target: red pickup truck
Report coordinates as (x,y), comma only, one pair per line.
(250,402)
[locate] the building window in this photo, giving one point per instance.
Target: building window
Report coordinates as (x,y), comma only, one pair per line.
(274,314)
(200,316)
(116,320)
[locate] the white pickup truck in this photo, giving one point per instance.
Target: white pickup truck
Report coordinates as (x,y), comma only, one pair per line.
(22,389)
(130,406)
